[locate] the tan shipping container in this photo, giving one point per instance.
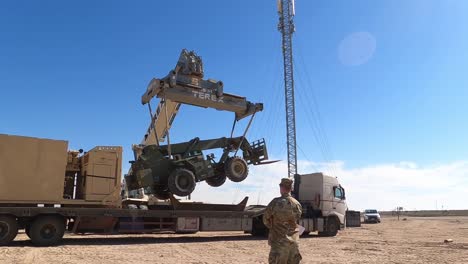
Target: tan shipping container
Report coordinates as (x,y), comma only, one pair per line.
(32,169)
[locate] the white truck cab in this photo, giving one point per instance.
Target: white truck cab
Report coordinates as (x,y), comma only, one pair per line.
(323,200)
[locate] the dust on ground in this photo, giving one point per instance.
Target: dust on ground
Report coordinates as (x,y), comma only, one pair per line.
(416,240)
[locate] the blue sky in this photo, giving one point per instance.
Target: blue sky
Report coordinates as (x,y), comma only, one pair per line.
(76,71)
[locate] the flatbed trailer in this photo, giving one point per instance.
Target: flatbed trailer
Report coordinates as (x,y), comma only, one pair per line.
(45,225)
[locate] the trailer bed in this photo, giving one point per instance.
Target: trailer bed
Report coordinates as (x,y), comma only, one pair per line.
(123,212)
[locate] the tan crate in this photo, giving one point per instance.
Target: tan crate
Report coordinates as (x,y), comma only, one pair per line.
(32,169)
(102,173)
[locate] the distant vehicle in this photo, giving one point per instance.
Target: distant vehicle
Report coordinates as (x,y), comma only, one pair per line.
(371,216)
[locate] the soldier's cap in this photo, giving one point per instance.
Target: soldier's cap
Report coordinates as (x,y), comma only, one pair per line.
(286,182)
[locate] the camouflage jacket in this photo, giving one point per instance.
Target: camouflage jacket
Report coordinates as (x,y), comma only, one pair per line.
(281,218)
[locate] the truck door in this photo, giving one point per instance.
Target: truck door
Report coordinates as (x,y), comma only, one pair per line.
(339,200)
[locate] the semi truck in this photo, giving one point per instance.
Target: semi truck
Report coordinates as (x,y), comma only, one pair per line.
(48,190)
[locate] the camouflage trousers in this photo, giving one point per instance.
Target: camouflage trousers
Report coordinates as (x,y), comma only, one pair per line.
(284,253)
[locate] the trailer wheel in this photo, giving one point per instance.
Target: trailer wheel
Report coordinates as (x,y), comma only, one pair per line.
(181,182)
(47,230)
(236,169)
(258,228)
(331,228)
(8,229)
(216,181)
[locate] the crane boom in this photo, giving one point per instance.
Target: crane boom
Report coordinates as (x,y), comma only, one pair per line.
(160,125)
(185,85)
(286,27)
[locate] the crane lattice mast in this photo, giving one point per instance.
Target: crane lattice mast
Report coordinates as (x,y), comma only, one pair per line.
(286,27)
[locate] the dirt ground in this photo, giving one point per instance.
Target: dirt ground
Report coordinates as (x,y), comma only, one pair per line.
(417,240)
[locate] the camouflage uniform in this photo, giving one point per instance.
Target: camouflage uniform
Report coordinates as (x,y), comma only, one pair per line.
(281,218)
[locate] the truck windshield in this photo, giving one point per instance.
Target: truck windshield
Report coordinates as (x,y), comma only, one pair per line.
(371,211)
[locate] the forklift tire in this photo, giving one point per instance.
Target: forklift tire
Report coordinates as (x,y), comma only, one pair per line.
(236,169)
(162,192)
(216,181)
(47,230)
(181,182)
(8,229)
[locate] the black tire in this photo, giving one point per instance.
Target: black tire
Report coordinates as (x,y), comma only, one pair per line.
(162,192)
(331,228)
(8,229)
(47,230)
(236,169)
(217,180)
(258,228)
(181,182)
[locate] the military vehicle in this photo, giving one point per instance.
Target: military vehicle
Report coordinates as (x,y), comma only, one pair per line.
(162,175)
(176,168)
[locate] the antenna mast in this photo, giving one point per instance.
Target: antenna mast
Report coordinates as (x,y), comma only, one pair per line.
(286,11)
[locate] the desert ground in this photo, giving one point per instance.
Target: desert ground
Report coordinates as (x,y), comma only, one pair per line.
(416,240)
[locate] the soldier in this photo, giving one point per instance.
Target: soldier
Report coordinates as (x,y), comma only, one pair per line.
(281,218)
